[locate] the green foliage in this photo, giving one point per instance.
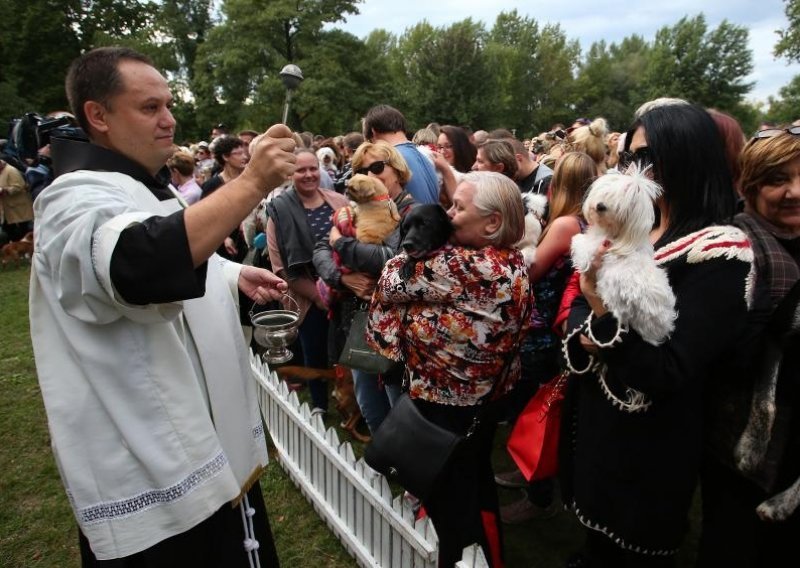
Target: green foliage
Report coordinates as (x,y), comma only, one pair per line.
(708,68)
(786,107)
(32,70)
(534,69)
(610,81)
(788,45)
(442,74)
(223,61)
(237,67)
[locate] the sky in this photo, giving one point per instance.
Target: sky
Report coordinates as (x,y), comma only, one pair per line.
(592,20)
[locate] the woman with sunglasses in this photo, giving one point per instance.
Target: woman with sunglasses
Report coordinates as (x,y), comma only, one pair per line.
(364,262)
(298,218)
(753,442)
(632,454)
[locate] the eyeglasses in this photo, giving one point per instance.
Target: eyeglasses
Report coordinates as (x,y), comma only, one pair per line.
(442,147)
(553,134)
(771,132)
(642,157)
(375,167)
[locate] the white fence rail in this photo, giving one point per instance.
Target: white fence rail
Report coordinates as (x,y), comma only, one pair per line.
(355,501)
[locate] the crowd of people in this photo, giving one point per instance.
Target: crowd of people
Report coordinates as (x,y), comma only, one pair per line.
(149,255)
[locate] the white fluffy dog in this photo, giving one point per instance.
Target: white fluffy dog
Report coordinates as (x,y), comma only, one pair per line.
(619,209)
(535,206)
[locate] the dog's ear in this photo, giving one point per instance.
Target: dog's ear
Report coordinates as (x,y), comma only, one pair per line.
(360,188)
(447,223)
(405,223)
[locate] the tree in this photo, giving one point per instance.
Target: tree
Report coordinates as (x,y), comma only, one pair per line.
(610,81)
(707,68)
(534,73)
(445,74)
(238,65)
(39,42)
(788,45)
(786,107)
(32,77)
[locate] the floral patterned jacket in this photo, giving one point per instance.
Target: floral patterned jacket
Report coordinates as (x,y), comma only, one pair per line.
(455,321)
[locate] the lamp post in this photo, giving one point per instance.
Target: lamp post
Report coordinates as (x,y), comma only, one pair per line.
(291,77)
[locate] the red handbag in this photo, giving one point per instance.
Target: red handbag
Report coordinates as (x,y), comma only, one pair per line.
(534,439)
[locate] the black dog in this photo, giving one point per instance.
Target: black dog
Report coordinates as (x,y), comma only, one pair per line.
(424,229)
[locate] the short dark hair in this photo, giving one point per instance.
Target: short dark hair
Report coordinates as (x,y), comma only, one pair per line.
(95,76)
(384,119)
(224,146)
(500,151)
(353,140)
(689,163)
(501,133)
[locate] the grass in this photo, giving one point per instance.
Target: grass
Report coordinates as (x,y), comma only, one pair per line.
(37,527)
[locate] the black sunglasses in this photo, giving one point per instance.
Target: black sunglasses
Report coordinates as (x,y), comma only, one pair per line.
(643,157)
(770,132)
(553,134)
(375,167)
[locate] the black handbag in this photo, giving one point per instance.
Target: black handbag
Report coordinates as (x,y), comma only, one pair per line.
(411,450)
(357,354)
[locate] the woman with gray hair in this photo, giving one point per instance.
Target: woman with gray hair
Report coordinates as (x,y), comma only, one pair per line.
(457,322)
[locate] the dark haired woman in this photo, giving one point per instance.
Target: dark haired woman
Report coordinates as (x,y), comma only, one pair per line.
(631,456)
(455,146)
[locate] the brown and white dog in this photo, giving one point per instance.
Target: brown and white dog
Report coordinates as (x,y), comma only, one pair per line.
(343,392)
(17,251)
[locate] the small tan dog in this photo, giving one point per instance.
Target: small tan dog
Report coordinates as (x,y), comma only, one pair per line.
(17,251)
(374,213)
(343,392)
(370,218)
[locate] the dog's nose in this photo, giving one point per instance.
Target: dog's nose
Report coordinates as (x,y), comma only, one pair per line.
(601,207)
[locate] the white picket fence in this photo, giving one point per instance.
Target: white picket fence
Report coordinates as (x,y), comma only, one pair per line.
(354,500)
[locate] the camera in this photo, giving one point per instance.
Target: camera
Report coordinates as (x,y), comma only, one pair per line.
(33,131)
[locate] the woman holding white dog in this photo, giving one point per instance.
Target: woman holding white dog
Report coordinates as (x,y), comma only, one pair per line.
(633,419)
(750,516)
(457,322)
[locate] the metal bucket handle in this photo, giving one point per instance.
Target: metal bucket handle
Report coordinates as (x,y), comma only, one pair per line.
(287,296)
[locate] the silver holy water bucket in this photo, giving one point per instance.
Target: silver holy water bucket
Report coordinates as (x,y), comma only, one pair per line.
(275,330)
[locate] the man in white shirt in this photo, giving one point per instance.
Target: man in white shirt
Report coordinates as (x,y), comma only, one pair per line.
(139,352)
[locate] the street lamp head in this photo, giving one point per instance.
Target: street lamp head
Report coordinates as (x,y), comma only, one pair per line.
(291,76)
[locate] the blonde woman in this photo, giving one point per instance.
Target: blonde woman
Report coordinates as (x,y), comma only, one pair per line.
(375,394)
(591,139)
(539,352)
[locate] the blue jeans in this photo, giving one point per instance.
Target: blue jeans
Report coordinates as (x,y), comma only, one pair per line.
(314,339)
(374,399)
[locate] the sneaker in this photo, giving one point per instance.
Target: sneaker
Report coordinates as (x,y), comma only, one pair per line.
(511,479)
(523,510)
